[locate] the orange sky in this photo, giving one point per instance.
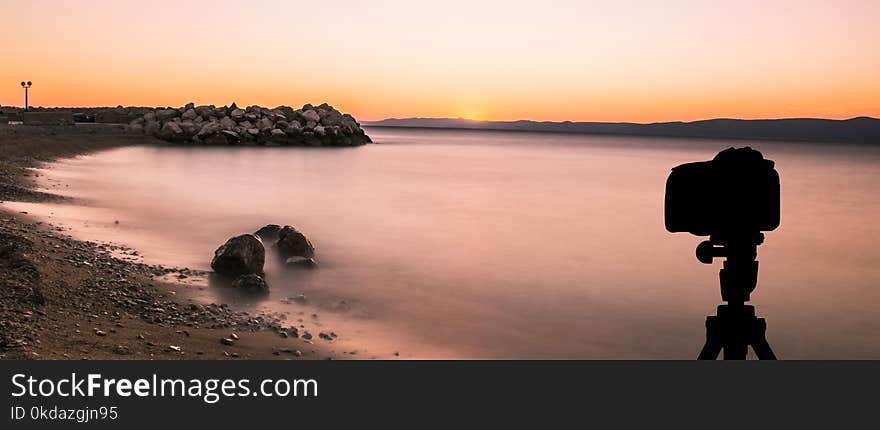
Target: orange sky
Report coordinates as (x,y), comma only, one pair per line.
(565,60)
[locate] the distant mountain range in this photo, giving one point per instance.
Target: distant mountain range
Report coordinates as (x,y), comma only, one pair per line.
(857,130)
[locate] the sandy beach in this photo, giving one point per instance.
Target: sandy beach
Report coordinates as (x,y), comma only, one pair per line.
(67,299)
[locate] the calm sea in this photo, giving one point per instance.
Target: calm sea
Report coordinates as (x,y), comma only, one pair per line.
(477,244)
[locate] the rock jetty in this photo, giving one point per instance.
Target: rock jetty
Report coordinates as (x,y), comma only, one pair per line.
(254,125)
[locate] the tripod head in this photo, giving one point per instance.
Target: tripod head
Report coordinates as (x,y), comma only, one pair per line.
(739,275)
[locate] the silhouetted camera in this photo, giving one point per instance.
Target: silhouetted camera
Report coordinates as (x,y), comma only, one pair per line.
(737,192)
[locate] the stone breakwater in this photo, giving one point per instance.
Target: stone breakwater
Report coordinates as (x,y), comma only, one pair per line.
(254,125)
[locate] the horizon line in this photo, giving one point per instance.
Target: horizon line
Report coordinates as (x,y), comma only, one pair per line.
(506,120)
(621,122)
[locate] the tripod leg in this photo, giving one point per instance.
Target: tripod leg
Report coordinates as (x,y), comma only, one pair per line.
(759,340)
(762,349)
(736,351)
(710,350)
(714,340)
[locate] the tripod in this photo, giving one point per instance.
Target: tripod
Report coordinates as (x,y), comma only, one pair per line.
(734,328)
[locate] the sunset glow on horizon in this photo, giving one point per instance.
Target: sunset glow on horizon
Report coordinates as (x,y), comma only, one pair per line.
(640,61)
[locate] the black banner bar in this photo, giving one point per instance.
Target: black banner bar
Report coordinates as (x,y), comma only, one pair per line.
(416,394)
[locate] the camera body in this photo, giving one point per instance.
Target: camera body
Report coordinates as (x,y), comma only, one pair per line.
(735,193)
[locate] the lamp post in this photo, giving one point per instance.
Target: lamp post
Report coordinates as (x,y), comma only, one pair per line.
(25,85)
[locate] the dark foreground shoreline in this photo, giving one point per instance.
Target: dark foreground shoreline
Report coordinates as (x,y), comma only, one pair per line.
(62,298)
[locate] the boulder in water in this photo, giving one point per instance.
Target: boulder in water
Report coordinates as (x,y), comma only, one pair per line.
(240,255)
(301,263)
(251,282)
(292,243)
(269,233)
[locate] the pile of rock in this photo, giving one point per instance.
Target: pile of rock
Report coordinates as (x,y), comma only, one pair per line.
(293,247)
(255,125)
(242,257)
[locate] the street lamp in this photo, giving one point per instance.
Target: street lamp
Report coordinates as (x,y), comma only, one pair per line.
(25,85)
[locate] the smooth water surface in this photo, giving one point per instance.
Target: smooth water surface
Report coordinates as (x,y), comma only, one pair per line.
(476,244)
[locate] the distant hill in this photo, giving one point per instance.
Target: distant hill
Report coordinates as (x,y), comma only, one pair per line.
(857,130)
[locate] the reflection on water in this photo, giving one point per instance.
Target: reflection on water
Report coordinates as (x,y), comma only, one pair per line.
(505,245)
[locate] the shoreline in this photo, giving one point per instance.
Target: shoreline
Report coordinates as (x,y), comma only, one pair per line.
(62,298)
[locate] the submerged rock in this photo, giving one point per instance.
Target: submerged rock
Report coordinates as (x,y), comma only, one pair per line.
(240,255)
(269,233)
(292,243)
(250,282)
(301,262)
